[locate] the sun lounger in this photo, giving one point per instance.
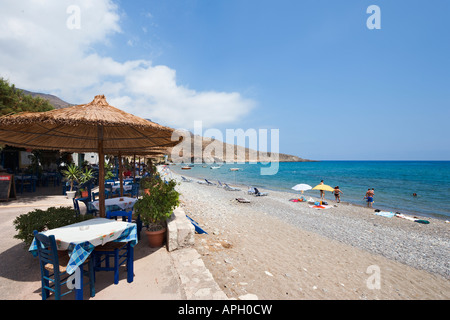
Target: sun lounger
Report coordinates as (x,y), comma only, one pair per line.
(251,190)
(228,188)
(186,180)
(210,183)
(260,194)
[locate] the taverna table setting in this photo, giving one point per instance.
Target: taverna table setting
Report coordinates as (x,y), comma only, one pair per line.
(80,240)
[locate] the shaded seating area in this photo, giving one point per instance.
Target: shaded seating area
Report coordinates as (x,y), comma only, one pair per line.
(25,182)
(100,128)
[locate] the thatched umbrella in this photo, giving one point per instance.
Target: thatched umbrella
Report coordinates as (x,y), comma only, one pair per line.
(93,127)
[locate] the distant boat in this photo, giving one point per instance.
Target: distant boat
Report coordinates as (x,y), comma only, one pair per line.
(215,167)
(235,169)
(185,168)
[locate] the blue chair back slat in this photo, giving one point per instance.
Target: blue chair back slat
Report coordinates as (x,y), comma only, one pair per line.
(123,214)
(76,206)
(48,254)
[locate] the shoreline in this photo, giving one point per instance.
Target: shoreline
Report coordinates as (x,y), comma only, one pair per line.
(277,249)
(419,215)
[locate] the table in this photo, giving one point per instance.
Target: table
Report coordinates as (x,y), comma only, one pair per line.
(114,204)
(81,238)
(126,187)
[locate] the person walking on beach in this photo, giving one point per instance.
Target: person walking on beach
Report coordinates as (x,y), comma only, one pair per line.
(369,197)
(322,193)
(337,193)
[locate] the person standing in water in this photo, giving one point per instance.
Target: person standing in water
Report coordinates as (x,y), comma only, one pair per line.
(369,197)
(337,193)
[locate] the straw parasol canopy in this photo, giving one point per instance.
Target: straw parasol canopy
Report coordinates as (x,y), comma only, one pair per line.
(77,129)
(92,127)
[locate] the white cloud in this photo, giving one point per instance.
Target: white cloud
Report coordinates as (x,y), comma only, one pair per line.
(39,52)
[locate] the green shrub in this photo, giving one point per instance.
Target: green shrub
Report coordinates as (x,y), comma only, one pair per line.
(157,207)
(41,220)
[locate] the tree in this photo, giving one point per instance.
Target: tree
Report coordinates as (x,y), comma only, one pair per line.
(13,100)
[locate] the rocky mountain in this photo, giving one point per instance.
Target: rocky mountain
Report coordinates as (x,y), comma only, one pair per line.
(56,102)
(216,151)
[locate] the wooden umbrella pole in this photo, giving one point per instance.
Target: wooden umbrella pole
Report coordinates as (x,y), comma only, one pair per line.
(139,174)
(134,168)
(121,173)
(101,173)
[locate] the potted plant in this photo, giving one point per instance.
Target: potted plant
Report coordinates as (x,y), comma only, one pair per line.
(85,177)
(146,184)
(72,174)
(155,208)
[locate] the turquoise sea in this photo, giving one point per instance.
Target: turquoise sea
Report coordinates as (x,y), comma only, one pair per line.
(394,181)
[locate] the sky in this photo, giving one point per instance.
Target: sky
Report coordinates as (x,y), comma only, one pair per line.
(334,88)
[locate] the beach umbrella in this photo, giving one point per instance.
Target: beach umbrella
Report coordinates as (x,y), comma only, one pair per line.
(301,187)
(323,187)
(92,127)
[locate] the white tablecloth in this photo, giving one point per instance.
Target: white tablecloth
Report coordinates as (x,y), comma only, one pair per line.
(125,187)
(115,204)
(81,238)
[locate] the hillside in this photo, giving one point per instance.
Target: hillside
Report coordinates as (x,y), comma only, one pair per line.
(216,151)
(56,102)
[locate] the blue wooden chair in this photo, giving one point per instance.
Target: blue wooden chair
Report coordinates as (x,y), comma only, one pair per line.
(76,206)
(95,195)
(28,183)
(121,252)
(134,192)
(53,267)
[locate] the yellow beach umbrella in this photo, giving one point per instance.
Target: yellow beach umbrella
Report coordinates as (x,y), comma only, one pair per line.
(323,187)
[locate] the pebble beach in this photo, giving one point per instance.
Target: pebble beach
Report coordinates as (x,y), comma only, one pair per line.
(272,248)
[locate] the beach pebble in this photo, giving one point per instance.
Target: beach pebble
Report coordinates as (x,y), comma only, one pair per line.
(268,273)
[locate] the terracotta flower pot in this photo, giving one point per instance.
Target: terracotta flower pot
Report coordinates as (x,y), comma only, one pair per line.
(156,238)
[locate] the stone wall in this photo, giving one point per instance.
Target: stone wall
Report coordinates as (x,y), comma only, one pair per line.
(180,231)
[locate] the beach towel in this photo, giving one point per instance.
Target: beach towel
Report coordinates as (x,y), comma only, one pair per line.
(400,215)
(320,207)
(298,200)
(385,214)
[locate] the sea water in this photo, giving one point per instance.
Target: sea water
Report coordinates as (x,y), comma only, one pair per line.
(394,181)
